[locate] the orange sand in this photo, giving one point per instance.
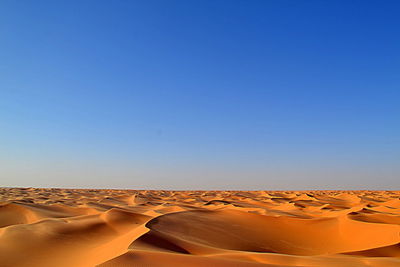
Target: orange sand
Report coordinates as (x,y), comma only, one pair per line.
(71,227)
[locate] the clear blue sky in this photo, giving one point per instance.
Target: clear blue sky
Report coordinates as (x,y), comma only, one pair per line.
(200,94)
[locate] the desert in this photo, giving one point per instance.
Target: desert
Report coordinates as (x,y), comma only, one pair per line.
(212,133)
(93,227)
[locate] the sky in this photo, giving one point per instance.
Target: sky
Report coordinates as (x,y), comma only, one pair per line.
(223,95)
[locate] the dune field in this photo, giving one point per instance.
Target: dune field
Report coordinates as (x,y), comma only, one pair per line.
(87,227)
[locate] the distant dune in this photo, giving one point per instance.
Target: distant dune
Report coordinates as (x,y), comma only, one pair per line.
(83,227)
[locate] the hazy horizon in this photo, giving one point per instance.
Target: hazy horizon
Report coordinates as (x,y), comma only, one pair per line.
(202,95)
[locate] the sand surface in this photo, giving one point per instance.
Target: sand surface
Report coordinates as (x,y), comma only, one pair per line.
(72,227)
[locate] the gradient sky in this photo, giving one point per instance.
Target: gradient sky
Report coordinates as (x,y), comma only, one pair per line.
(200,94)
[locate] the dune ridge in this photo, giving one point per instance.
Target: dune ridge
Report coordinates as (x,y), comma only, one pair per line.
(90,227)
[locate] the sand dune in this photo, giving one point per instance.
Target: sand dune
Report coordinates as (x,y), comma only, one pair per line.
(71,227)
